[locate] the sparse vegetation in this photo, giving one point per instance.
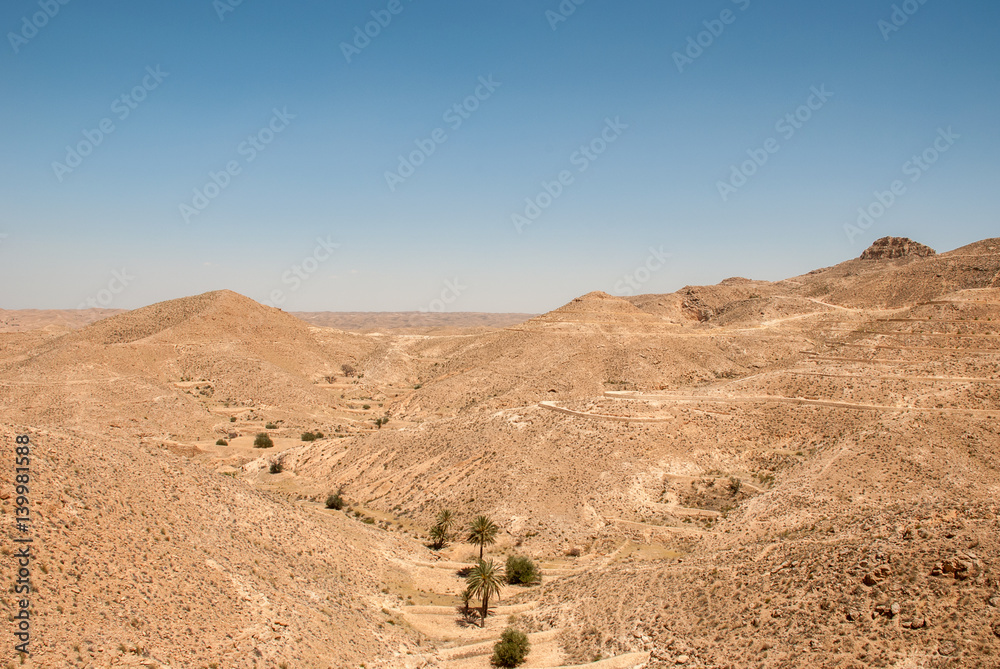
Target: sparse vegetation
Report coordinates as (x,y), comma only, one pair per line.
(734,485)
(511,650)
(270,426)
(522,570)
(232,419)
(221,442)
(482,532)
(312,436)
(379,422)
(335,501)
(485,581)
(277,467)
(348,369)
(441,531)
(439,537)
(263,440)
(446,519)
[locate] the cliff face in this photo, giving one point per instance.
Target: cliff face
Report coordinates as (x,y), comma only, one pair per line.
(896,247)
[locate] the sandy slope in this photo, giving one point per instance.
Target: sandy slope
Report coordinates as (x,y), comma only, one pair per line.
(752,473)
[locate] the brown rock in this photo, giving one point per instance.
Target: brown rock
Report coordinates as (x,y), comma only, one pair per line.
(888,248)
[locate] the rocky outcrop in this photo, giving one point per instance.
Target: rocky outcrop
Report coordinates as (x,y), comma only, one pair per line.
(888,248)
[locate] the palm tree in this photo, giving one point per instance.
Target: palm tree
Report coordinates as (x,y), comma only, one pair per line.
(483,532)
(439,537)
(485,580)
(445,519)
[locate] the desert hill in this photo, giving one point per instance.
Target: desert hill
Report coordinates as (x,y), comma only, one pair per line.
(768,474)
(190,364)
(904,275)
(147,560)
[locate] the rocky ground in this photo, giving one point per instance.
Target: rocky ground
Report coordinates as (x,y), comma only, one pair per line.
(793,474)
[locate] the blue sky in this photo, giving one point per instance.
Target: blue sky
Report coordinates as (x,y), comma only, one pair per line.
(265,89)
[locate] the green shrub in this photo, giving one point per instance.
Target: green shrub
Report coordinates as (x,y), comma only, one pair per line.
(366,406)
(232,419)
(335,501)
(262,440)
(522,570)
(270,426)
(277,467)
(221,442)
(308,436)
(511,650)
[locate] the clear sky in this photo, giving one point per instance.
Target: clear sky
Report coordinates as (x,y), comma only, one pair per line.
(595,146)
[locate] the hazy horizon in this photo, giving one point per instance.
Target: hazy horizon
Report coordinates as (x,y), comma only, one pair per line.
(481,158)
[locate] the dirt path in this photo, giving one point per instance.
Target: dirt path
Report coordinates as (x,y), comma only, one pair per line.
(945,379)
(764,399)
(598,416)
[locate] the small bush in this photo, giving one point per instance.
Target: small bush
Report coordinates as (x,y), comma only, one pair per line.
(232,419)
(734,485)
(367,406)
(335,501)
(262,440)
(511,650)
(221,442)
(309,436)
(522,570)
(277,467)
(270,426)
(348,370)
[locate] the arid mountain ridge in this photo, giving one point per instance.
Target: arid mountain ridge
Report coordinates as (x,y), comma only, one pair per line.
(746,474)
